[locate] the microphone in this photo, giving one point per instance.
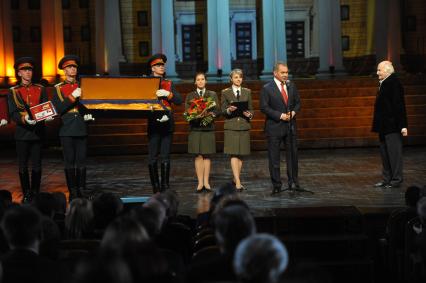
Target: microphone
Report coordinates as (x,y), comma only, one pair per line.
(287,83)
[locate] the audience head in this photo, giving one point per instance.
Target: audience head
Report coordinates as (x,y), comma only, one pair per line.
(421,210)
(60,202)
(44,202)
(106,207)
(151,216)
(22,227)
(103,270)
(79,219)
(5,201)
(224,190)
(170,201)
(123,230)
(260,258)
(232,223)
(412,195)
(5,196)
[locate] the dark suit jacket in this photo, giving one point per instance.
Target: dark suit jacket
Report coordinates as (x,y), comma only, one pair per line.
(22,265)
(71,112)
(195,124)
(17,109)
(236,123)
(390,115)
(164,127)
(272,105)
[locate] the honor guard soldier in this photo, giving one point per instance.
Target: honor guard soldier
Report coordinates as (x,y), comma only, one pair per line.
(73,130)
(28,133)
(161,127)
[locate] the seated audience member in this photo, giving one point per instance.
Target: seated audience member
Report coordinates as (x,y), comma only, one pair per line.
(123,230)
(5,197)
(260,258)
(232,223)
(175,235)
(103,270)
(59,210)
(106,207)
(205,209)
(45,203)
(421,239)
(51,236)
(22,226)
(395,228)
(152,216)
(79,220)
(60,203)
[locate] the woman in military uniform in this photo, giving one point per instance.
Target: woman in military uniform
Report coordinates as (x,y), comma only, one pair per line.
(237,123)
(28,133)
(73,131)
(201,138)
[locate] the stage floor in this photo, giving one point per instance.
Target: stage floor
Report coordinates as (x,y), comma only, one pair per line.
(337,177)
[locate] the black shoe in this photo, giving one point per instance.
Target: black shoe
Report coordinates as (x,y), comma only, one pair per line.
(393,185)
(208,190)
(199,191)
(381,184)
(276,190)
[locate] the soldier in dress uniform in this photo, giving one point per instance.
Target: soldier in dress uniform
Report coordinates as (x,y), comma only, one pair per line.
(161,126)
(28,133)
(73,131)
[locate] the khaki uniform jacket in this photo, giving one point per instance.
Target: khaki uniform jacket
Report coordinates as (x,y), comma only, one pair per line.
(236,123)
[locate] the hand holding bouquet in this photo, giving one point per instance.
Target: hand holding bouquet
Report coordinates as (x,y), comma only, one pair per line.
(199,109)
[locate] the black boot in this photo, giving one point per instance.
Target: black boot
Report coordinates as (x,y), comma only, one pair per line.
(81,181)
(153,175)
(165,172)
(35,182)
(24,178)
(71,183)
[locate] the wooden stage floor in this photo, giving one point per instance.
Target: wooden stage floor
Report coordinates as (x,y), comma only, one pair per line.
(338,177)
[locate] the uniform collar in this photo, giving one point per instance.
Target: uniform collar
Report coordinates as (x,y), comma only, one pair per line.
(27,85)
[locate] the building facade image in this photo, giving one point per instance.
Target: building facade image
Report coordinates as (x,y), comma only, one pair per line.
(318,38)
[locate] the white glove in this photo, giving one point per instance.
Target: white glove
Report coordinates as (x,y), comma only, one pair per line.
(50,118)
(76,93)
(29,121)
(162,93)
(88,117)
(3,122)
(163,119)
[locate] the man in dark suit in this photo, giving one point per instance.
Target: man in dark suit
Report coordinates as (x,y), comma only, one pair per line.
(280,102)
(390,122)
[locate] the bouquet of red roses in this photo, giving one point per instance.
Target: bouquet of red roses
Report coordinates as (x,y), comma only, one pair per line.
(199,110)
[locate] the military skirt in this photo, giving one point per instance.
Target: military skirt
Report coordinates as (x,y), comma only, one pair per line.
(236,142)
(201,142)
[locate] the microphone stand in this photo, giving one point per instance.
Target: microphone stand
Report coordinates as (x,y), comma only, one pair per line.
(290,188)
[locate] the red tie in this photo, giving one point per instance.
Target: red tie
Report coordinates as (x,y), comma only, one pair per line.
(284,94)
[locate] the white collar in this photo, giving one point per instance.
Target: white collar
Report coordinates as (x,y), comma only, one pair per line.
(203,91)
(234,89)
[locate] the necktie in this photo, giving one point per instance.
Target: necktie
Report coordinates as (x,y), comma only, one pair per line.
(238,94)
(201,93)
(284,94)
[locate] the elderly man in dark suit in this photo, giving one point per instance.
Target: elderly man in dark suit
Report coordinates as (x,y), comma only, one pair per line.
(280,102)
(390,122)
